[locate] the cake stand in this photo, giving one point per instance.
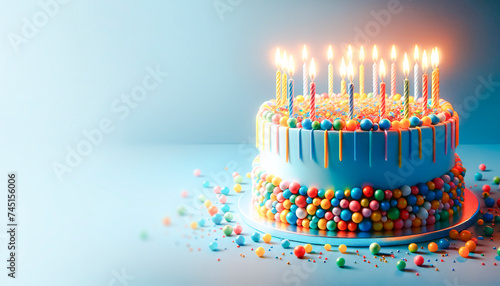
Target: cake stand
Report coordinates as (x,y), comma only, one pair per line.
(460,221)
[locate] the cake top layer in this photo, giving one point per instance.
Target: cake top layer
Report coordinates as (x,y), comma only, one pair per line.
(332,113)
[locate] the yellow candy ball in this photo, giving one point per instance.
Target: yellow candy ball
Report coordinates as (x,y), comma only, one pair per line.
(283,121)
(329,194)
(308,248)
(260,251)
(365,202)
(311,209)
(249,175)
(300,98)
(378,226)
(207,203)
(269,178)
(328,247)
(342,248)
(397,97)
(347,193)
(326,204)
(357,217)
(411,99)
(305,223)
(276,181)
(413,247)
(404,123)
(287,204)
(270,215)
(237,188)
(322,223)
(266,238)
(194,225)
(283,216)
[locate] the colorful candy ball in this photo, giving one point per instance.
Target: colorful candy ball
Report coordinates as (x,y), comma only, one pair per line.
(197,172)
(465,235)
(488,230)
(227,230)
(433,247)
(374,248)
(260,251)
(413,247)
(478,176)
(237,188)
(225,191)
(328,247)
(299,251)
(255,237)
(217,218)
(401,265)
(454,234)
(238,179)
(443,243)
(237,229)
(418,260)
(228,216)
(308,248)
(463,251)
(342,248)
(285,243)
(213,245)
(266,238)
(471,245)
(496,180)
(482,167)
(340,262)
(489,202)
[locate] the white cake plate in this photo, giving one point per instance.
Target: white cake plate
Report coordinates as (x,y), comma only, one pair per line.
(460,221)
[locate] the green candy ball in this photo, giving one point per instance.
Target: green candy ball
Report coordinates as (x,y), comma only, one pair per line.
(181,210)
(340,262)
(379,195)
(331,225)
(338,124)
(238,179)
(401,265)
(374,248)
(228,216)
(488,230)
(292,122)
(227,230)
(445,215)
(498,251)
(201,198)
(496,180)
(316,125)
(393,213)
(497,218)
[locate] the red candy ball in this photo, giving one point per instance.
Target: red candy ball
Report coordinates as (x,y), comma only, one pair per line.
(399,223)
(482,167)
(301,202)
(438,183)
(368,191)
(352,226)
(294,187)
(419,260)
(388,194)
(486,188)
(498,202)
(404,214)
(312,192)
(299,251)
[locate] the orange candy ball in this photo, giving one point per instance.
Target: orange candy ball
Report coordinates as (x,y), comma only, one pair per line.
(463,251)
(351,125)
(395,125)
(426,121)
(283,121)
(454,234)
(433,247)
(404,124)
(465,235)
(471,245)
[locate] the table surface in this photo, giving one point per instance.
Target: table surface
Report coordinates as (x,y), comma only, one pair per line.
(102,225)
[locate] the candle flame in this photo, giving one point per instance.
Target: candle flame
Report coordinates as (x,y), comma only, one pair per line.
(330,53)
(350,71)
(277,59)
(375,53)
(284,61)
(424,61)
(435,58)
(304,53)
(349,52)
(382,69)
(312,70)
(342,69)
(361,55)
(291,67)
(416,54)
(406,66)
(393,53)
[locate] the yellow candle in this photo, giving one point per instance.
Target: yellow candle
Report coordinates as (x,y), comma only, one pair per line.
(435,78)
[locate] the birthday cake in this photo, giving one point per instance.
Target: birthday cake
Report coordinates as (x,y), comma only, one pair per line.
(348,168)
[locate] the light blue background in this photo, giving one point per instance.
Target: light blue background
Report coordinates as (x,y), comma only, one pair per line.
(66,77)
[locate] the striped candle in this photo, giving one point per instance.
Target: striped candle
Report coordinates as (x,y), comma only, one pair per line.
(406,98)
(361,71)
(277,62)
(435,78)
(416,87)
(424,83)
(312,103)
(382,89)
(393,71)
(351,100)
(375,72)
(290,98)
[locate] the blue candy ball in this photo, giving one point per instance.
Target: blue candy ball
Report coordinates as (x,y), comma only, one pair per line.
(213,245)
(385,205)
(326,124)
(255,237)
(345,215)
(285,243)
(443,243)
(291,218)
(431,195)
(356,193)
(339,194)
(414,121)
(489,202)
(384,124)
(434,119)
(375,126)
(240,240)
(478,176)
(201,222)
(225,191)
(225,208)
(206,184)
(487,217)
(320,213)
(307,124)
(217,218)
(303,191)
(366,125)
(365,225)
(423,189)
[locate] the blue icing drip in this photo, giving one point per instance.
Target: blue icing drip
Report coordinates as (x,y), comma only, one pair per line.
(312,145)
(300,144)
(355,135)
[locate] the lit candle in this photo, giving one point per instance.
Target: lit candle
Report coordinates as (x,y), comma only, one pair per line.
(277,62)
(330,71)
(284,81)
(305,76)
(406,99)
(375,71)
(312,104)
(424,83)
(361,71)
(393,71)
(342,75)
(351,90)
(349,53)
(382,89)
(291,69)
(435,78)
(416,92)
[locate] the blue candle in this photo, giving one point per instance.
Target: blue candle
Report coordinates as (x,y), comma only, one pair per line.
(290,87)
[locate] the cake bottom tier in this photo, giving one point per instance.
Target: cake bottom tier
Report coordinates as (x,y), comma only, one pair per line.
(361,208)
